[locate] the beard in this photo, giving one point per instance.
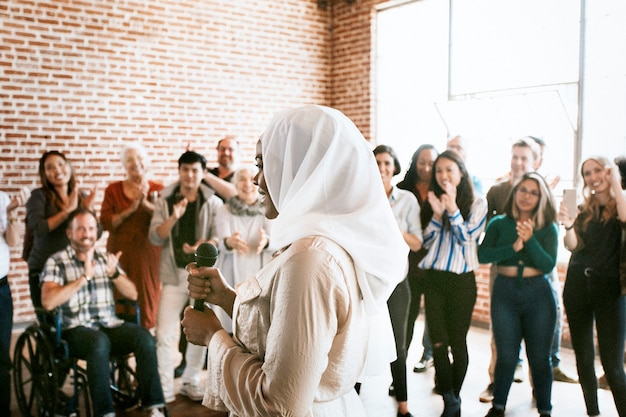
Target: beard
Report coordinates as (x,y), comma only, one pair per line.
(83,245)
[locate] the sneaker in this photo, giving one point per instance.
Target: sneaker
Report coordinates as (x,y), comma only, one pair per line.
(561,376)
(519,373)
(487,395)
(423,365)
(602,382)
(495,412)
(155,412)
(192,391)
(178,371)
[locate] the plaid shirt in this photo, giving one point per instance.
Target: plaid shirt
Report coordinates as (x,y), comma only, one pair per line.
(93,305)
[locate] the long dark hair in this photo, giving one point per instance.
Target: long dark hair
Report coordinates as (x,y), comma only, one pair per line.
(410,178)
(464,191)
(51,193)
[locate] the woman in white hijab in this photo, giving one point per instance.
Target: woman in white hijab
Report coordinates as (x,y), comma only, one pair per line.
(300,325)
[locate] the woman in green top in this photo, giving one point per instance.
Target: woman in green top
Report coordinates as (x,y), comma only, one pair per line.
(523,245)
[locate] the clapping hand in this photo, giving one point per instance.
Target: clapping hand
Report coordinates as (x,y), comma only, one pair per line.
(436,204)
(113,260)
(180,208)
(264,240)
(235,242)
(19,200)
(89,197)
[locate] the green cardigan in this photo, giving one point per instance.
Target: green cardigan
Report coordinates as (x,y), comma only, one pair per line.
(497,246)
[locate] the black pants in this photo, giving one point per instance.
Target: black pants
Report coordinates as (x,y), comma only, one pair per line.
(398,305)
(449,300)
(597,298)
(416,284)
(6,325)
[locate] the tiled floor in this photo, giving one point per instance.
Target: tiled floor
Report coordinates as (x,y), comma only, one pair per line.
(567,398)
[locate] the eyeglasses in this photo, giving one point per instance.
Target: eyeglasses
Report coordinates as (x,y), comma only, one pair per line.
(532,193)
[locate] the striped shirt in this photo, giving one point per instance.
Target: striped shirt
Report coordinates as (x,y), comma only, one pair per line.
(94,304)
(456,249)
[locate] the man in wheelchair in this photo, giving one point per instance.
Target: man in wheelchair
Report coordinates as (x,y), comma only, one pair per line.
(80,279)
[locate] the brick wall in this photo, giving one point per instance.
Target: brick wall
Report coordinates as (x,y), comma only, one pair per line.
(352,69)
(85,76)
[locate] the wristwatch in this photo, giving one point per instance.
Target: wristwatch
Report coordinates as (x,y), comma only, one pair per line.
(87,277)
(115,274)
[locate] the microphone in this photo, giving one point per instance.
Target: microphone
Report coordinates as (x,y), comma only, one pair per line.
(206,255)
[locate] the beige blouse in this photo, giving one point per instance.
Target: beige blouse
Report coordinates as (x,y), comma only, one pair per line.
(300,338)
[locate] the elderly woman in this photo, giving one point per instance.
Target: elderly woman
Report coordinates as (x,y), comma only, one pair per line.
(301,323)
(126,212)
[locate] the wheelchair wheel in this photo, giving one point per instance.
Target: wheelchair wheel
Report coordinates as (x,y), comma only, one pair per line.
(34,375)
(124,385)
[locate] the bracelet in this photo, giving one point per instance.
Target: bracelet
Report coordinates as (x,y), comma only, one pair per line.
(115,275)
(570,227)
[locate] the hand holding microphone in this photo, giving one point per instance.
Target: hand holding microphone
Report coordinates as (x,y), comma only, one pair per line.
(206,285)
(206,255)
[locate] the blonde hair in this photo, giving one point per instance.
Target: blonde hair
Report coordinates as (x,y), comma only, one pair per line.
(590,208)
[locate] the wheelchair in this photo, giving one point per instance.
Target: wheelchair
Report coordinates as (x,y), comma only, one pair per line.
(48,382)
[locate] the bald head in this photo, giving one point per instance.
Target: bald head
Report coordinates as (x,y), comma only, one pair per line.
(459,144)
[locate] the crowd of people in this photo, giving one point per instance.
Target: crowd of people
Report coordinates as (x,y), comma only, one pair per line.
(320,253)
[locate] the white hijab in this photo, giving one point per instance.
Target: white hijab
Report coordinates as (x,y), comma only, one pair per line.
(323,179)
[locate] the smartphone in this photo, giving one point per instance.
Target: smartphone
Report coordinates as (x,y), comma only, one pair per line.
(570,201)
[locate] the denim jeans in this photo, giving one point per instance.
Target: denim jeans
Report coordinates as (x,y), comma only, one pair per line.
(96,345)
(523,311)
(6,325)
(589,299)
(450,300)
(555,351)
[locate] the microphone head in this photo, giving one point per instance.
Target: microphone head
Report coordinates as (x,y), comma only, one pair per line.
(206,254)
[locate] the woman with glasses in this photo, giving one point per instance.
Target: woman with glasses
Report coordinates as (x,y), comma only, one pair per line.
(522,244)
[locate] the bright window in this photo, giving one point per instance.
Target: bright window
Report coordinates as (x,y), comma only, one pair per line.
(497,70)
